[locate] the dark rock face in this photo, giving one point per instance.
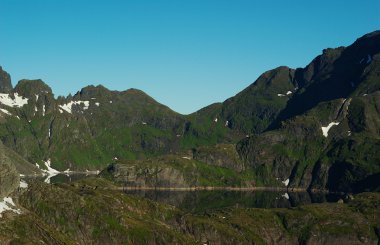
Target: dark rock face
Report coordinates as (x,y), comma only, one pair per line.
(147,176)
(5,82)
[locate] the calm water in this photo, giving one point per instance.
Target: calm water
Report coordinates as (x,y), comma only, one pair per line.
(62,178)
(201,201)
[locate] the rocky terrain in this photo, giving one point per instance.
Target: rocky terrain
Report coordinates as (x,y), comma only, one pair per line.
(85,216)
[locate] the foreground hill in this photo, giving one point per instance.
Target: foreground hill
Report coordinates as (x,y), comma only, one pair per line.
(81,214)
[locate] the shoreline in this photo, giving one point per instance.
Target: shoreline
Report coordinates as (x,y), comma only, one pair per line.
(217,188)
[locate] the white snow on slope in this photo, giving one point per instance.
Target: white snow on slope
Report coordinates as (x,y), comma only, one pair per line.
(23,184)
(97,103)
(49,172)
(17,101)
(7,204)
(285,182)
(287,93)
(68,107)
(286,195)
(5,111)
(43,110)
(325,130)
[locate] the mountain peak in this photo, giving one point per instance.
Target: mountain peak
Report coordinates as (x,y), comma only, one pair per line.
(27,87)
(92,91)
(5,81)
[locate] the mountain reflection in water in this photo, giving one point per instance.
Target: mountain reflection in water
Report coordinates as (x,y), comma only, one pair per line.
(200,201)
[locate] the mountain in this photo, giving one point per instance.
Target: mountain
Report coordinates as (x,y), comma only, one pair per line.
(315,127)
(312,128)
(327,136)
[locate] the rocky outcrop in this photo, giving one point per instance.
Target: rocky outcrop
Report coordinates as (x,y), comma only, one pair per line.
(148,176)
(222,155)
(5,82)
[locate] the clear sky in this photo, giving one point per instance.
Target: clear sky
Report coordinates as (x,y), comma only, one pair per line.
(186,54)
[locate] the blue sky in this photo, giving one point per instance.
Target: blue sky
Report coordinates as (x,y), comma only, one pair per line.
(186,54)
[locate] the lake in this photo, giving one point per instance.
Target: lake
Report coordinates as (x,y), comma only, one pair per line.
(200,201)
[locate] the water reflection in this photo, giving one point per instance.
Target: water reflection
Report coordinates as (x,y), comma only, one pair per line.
(62,178)
(200,201)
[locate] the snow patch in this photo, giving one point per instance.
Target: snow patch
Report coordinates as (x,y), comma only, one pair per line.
(188,158)
(216,119)
(97,103)
(36,97)
(7,204)
(143,123)
(286,196)
(17,101)
(49,171)
(325,130)
(285,182)
(283,95)
(68,107)
(23,184)
(43,110)
(5,111)
(227,123)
